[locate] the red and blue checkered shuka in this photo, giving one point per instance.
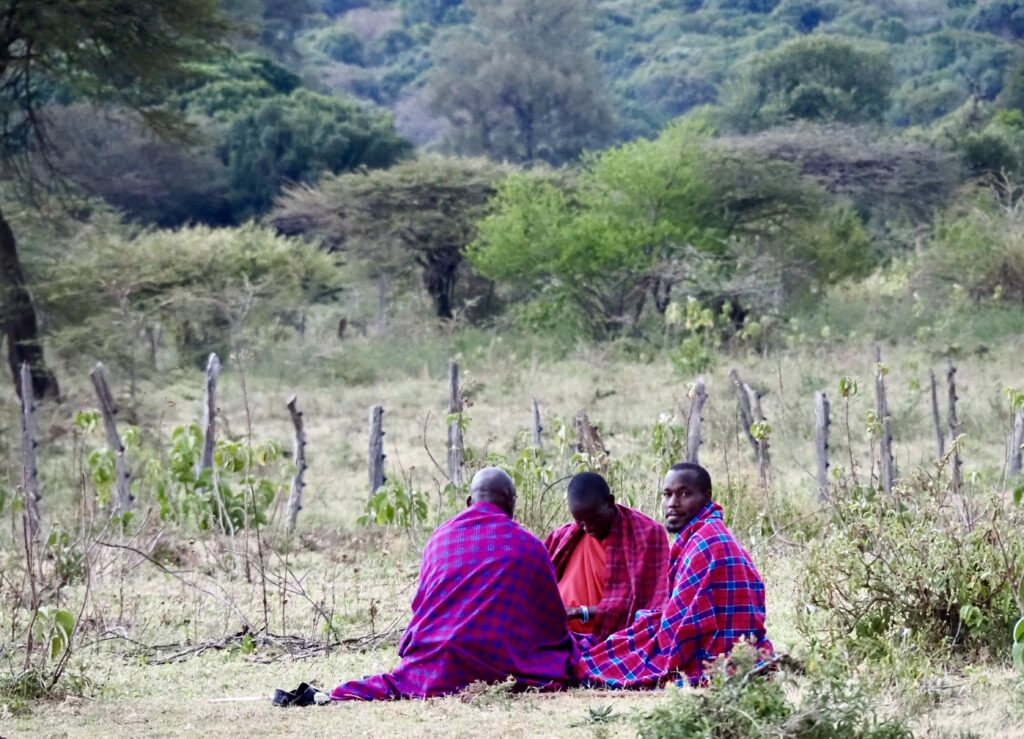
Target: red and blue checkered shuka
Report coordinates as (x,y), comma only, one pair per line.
(487,608)
(717,599)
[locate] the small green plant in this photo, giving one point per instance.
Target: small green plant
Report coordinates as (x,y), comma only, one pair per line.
(741,702)
(53,629)
(235,493)
(396,503)
(668,442)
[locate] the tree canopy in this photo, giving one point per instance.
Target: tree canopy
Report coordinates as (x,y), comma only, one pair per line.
(520,82)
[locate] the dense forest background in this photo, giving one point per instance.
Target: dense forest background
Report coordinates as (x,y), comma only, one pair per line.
(683,174)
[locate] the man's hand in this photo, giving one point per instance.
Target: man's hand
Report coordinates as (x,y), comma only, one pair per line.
(576,613)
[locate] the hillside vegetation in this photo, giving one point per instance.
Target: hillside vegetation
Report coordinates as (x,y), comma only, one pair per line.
(597,206)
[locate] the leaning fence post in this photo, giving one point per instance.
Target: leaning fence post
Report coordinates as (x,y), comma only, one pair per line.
(954,428)
(538,443)
(299,456)
(886,464)
(743,394)
(821,427)
(376,453)
(209,414)
(29,468)
(122,477)
(693,440)
(456,450)
(940,439)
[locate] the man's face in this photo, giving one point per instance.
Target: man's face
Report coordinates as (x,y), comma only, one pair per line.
(596,517)
(681,499)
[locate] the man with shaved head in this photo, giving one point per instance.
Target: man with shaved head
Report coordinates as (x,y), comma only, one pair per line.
(487,607)
(717,598)
(610,562)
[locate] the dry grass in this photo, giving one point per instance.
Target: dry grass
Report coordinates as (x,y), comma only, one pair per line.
(368,581)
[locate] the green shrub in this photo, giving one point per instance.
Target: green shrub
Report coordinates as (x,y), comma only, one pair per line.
(341,45)
(740,703)
(919,571)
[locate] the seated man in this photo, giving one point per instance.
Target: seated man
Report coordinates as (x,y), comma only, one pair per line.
(610,563)
(487,607)
(717,598)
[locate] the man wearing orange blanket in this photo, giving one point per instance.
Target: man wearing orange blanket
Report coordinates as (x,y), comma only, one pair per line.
(610,562)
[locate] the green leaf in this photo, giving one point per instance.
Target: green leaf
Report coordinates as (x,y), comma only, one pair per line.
(1018,657)
(1018,632)
(1018,494)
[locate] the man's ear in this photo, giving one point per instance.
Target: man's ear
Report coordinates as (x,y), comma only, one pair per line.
(611,498)
(469,501)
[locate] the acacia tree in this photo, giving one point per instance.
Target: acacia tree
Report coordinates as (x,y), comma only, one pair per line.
(520,81)
(421,212)
(104,51)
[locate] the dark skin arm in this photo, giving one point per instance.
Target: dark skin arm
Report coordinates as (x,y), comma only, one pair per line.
(576,613)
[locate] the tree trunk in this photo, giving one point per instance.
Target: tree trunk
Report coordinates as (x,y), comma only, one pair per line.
(19,321)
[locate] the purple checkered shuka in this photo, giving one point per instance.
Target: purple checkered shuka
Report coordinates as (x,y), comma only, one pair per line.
(487,608)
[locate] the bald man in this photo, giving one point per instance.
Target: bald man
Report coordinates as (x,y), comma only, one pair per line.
(611,561)
(487,607)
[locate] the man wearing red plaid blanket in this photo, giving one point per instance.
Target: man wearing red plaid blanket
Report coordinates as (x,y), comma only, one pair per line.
(717,599)
(611,561)
(487,607)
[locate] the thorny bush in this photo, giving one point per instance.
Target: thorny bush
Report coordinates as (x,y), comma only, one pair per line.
(922,571)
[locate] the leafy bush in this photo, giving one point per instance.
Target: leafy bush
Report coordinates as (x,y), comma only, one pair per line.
(202,285)
(298,137)
(817,78)
(920,570)
(741,703)
(979,246)
(235,494)
(342,45)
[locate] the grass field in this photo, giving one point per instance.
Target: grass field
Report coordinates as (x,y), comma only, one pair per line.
(206,587)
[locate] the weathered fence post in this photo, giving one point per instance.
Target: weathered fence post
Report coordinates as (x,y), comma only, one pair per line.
(376,455)
(693,440)
(743,394)
(456,450)
(940,438)
(954,428)
(821,427)
(538,442)
(588,440)
(29,468)
(299,457)
(122,476)
(886,464)
(1013,452)
(209,414)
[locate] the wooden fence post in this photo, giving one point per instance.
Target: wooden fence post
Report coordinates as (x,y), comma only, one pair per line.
(299,457)
(122,476)
(821,428)
(376,454)
(940,437)
(209,414)
(538,442)
(1013,453)
(693,439)
(886,464)
(456,450)
(743,395)
(588,440)
(29,467)
(954,429)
